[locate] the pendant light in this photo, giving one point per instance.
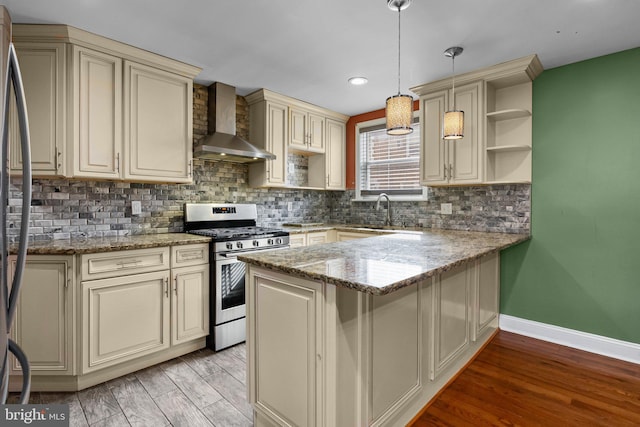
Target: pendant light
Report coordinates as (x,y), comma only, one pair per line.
(454,119)
(399,109)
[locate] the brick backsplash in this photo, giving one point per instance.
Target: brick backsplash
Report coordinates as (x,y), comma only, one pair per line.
(65,208)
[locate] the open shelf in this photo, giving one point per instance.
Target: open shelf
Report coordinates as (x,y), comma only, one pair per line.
(511,113)
(519,147)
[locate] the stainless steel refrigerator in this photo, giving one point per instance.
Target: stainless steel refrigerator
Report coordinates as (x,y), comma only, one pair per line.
(10,286)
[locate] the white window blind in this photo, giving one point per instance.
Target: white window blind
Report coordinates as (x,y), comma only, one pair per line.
(389,164)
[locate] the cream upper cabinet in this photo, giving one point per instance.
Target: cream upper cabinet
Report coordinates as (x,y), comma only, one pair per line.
(43,68)
(452,161)
(97,121)
(269,130)
(43,326)
(335,161)
(157,125)
(329,171)
(303,129)
(496,147)
(306,131)
(107,110)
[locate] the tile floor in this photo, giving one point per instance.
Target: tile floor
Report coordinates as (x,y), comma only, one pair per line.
(199,389)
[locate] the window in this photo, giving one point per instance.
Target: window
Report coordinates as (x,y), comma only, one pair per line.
(388,164)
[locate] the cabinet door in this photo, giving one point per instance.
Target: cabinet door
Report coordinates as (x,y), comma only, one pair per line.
(124,318)
(283,377)
(465,155)
(276,143)
(43,325)
(451,317)
(316,136)
(298,129)
(335,155)
(190,303)
(158,113)
(97,114)
(433,165)
(487,295)
(43,67)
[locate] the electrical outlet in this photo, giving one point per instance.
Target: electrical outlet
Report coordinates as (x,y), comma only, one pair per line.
(292,168)
(136,207)
(446,208)
(290,206)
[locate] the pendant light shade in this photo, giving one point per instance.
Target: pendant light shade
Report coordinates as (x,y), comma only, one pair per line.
(399,108)
(453,126)
(399,113)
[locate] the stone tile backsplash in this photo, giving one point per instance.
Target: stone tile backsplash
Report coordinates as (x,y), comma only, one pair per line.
(495,208)
(64,208)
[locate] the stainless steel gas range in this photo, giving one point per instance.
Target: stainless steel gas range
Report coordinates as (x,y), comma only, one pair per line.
(233,230)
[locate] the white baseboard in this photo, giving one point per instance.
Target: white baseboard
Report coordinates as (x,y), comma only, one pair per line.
(592,343)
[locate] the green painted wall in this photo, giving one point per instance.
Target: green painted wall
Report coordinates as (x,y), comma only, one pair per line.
(581,269)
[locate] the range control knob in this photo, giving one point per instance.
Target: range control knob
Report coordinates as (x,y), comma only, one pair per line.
(256,243)
(269,241)
(278,241)
(229,246)
(239,245)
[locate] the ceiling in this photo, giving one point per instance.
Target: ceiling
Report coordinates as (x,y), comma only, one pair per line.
(307,49)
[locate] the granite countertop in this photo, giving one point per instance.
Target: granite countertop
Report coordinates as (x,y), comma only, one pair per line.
(382,264)
(106,244)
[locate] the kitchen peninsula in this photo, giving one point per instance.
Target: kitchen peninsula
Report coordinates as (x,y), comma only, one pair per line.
(367,331)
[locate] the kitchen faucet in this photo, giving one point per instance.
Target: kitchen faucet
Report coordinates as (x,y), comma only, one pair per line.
(387,220)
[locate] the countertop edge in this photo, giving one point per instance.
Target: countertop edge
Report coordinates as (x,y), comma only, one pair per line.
(110,244)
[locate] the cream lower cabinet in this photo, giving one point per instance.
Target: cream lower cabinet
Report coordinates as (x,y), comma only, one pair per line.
(124,318)
(287,386)
(310,238)
(190,303)
(297,240)
(320,355)
(43,326)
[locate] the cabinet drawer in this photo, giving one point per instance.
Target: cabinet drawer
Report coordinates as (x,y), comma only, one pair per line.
(186,255)
(119,263)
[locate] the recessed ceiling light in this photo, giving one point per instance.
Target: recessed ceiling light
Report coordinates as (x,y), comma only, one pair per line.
(358,81)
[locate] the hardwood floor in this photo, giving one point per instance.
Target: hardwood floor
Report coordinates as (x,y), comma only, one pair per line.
(199,389)
(520,381)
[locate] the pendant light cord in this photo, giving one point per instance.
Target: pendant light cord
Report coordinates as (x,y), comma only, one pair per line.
(453,71)
(399,50)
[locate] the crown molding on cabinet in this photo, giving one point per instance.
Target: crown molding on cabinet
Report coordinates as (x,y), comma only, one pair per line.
(47,33)
(508,73)
(268,95)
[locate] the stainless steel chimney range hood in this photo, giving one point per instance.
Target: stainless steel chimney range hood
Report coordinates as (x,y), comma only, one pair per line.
(222,143)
